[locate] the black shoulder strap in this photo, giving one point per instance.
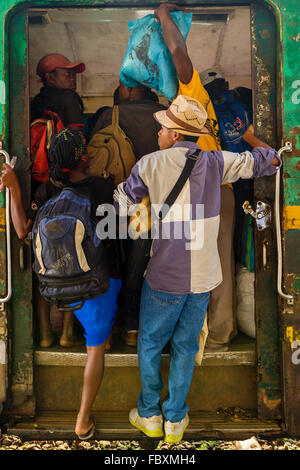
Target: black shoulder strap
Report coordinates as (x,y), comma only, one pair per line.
(187,169)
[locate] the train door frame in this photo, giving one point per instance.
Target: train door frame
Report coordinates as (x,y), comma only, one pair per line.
(20,375)
(270,392)
(265,83)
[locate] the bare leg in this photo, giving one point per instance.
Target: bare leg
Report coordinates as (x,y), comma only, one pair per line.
(68,339)
(92,378)
(42,310)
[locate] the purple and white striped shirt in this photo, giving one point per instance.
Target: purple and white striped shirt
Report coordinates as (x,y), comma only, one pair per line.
(183,265)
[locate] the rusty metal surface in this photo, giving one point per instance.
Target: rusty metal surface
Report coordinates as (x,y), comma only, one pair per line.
(115,425)
(212,388)
(267,315)
(290,318)
(241,353)
(20,315)
(291,376)
(3,358)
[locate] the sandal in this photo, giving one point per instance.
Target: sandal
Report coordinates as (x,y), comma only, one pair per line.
(89,434)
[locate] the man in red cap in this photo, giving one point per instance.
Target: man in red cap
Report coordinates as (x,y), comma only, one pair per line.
(58,94)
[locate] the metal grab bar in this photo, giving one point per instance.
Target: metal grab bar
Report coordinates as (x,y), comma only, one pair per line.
(8,240)
(289,298)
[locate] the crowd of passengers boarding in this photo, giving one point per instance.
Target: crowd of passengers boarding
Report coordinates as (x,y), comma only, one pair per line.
(191,153)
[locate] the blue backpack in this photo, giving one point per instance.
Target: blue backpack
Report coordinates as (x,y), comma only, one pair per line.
(70,260)
(234,119)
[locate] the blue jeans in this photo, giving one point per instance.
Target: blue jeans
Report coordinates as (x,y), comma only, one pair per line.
(168,317)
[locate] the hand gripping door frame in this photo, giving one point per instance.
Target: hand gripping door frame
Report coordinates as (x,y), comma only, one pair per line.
(8,239)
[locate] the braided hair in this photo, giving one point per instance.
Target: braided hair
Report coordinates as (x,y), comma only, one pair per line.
(67,148)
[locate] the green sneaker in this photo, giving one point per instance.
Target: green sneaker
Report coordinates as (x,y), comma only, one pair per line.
(174,431)
(152,426)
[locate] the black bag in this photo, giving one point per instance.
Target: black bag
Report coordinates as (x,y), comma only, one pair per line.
(69,257)
(141,247)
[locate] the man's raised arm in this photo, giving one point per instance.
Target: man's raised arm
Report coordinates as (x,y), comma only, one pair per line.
(175,42)
(259,162)
(252,140)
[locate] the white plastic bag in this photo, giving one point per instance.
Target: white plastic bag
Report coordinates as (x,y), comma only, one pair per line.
(245,302)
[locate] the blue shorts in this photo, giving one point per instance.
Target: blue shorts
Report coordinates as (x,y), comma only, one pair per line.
(97,316)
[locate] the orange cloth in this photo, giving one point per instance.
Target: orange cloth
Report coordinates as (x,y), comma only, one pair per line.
(196,90)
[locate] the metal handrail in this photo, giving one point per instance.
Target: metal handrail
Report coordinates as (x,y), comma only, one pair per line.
(289,298)
(8,240)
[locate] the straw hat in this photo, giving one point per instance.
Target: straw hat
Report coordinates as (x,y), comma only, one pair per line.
(185,115)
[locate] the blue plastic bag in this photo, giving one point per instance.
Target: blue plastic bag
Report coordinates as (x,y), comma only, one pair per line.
(147,60)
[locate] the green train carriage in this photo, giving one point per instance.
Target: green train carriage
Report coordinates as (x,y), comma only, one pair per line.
(40,389)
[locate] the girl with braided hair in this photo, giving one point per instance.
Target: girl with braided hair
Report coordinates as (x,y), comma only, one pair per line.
(68,167)
(67,152)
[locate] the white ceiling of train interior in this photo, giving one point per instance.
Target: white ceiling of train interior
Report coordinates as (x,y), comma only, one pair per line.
(99,38)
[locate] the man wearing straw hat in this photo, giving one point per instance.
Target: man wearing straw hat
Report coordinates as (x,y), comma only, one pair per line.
(182,269)
(221,321)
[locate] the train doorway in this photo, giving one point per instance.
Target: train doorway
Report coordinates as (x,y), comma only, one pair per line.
(240,40)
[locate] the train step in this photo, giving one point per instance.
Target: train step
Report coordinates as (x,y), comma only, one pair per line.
(115,426)
(225,379)
(241,353)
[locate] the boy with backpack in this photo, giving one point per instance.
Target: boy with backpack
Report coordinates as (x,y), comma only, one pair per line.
(69,258)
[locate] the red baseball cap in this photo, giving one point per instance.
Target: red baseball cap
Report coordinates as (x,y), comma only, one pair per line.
(53,61)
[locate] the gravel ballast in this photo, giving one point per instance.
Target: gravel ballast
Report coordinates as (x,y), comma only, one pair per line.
(11,442)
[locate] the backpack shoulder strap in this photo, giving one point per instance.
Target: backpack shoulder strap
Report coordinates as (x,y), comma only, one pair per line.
(38,121)
(49,134)
(115,115)
(187,169)
(87,193)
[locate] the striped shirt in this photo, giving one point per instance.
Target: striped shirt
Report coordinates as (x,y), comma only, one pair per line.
(179,263)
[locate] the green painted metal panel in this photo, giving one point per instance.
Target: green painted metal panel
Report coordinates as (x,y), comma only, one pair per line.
(291,169)
(292,193)
(265,86)
(291,120)
(20,317)
(297,279)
